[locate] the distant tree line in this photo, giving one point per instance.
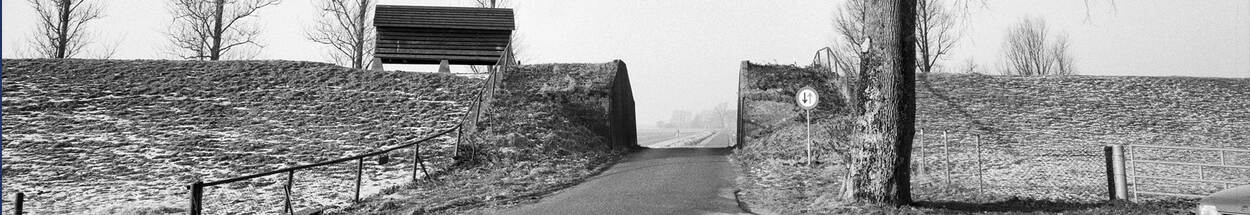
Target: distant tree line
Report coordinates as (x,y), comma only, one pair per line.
(718,117)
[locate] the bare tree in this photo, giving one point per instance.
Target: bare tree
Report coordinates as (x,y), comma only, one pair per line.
(61,30)
(935,33)
(347,27)
(1026,48)
(971,66)
(1063,60)
(513,48)
(210,29)
(490,3)
(849,25)
(721,111)
(1029,52)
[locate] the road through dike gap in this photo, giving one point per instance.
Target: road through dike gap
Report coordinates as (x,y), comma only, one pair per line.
(654,181)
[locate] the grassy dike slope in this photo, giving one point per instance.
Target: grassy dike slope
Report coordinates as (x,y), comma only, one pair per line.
(547,128)
(1041,139)
(1044,136)
(111,135)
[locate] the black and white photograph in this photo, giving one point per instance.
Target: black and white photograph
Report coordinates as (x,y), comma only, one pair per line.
(550,107)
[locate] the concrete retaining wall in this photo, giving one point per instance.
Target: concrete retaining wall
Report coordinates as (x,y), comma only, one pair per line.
(572,106)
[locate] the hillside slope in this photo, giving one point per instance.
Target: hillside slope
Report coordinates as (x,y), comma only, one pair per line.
(1041,138)
(570,109)
(1045,135)
(80,135)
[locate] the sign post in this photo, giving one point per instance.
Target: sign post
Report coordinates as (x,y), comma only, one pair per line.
(807,99)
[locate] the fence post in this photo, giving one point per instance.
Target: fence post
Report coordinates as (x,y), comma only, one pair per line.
(922,154)
(1116,180)
(946,146)
(980,168)
(197,195)
(1222,162)
(360,169)
(1131,157)
(21,198)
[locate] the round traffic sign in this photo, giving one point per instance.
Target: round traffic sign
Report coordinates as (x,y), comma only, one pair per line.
(807,98)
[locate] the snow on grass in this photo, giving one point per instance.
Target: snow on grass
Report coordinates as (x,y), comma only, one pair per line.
(104,137)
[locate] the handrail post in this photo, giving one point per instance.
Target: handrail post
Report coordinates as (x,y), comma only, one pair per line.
(360,168)
(290,178)
(416,160)
(197,195)
(425,173)
(21,198)
(455,151)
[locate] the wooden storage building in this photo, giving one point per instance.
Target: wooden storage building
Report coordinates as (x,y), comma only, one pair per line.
(428,35)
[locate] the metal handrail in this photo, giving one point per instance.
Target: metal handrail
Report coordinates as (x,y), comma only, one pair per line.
(487,90)
(830,62)
(340,160)
(197,188)
(827,62)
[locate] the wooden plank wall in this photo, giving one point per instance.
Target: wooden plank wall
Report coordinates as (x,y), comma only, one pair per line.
(427,35)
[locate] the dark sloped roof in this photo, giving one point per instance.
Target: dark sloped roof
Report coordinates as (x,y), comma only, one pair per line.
(444,17)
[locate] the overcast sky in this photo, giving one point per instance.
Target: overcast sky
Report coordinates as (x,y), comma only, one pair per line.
(685,54)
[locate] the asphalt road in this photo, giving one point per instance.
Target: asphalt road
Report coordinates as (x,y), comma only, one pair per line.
(653,181)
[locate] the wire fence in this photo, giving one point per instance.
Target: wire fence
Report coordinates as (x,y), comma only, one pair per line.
(1186,172)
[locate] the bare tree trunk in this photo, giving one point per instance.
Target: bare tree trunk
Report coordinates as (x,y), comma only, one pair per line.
(880,160)
(63,34)
(215,51)
(358,58)
(345,27)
